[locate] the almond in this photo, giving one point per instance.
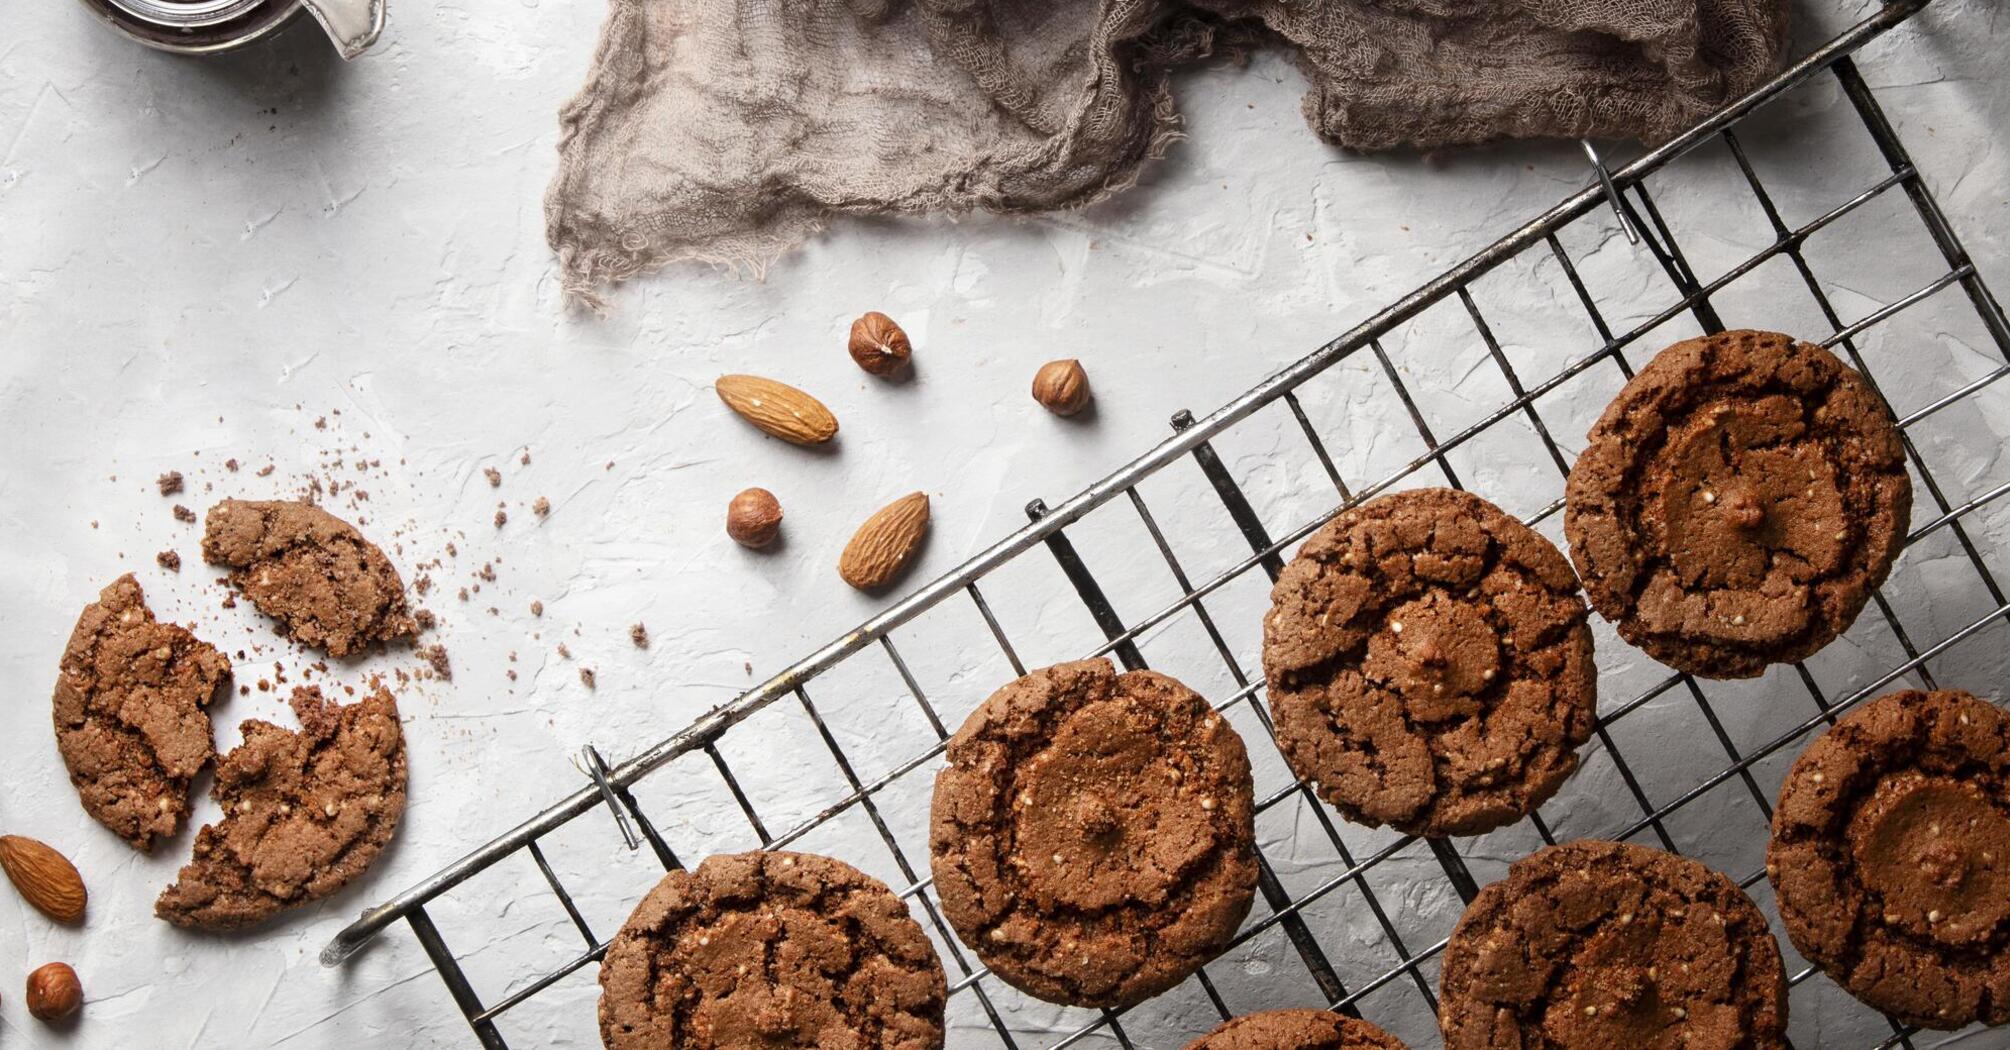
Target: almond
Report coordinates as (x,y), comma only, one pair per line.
(885,543)
(778,409)
(45,877)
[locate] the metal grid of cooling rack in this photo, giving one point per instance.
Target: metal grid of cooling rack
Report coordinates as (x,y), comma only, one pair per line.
(1194,440)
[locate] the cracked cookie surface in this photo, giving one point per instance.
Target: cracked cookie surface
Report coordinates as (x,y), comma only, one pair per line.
(1608,944)
(313,572)
(128,710)
(1890,857)
(1738,503)
(1429,665)
(1092,837)
(760,950)
(304,813)
(1296,1030)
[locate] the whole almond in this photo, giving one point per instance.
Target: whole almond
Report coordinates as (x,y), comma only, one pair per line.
(878,345)
(754,518)
(54,992)
(45,877)
(778,409)
(885,543)
(1062,386)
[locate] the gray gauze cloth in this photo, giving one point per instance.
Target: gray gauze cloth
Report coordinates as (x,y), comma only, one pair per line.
(727,131)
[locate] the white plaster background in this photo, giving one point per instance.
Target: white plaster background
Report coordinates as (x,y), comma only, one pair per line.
(191,249)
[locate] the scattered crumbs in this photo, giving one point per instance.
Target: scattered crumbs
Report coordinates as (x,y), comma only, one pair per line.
(502,518)
(265,471)
(749,665)
(525,458)
(264,685)
(464,594)
(94,523)
(512,656)
(169,482)
(321,423)
(494,476)
(511,673)
(230,601)
(540,507)
(424,583)
(244,690)
(425,619)
(493,611)
(586,677)
(563,651)
(436,656)
(639,634)
(169,560)
(453,551)
(230,464)
(181,513)
(609,466)
(536,607)
(488,571)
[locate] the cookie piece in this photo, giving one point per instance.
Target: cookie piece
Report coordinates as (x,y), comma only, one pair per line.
(1609,944)
(1092,836)
(1296,1030)
(1739,502)
(313,572)
(304,813)
(1891,857)
(1429,665)
(771,950)
(129,715)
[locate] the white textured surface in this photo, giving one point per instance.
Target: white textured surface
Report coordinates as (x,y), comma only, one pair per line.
(201,258)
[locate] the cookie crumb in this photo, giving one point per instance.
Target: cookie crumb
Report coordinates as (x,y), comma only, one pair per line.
(639,634)
(425,619)
(540,507)
(525,458)
(230,464)
(169,560)
(501,518)
(170,482)
(586,677)
(436,656)
(494,476)
(563,651)
(265,471)
(181,513)
(536,607)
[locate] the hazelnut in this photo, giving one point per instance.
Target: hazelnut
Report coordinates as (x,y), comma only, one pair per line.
(878,345)
(754,518)
(54,992)
(1062,386)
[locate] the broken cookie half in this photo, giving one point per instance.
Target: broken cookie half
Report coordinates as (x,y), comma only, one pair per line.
(304,812)
(313,572)
(128,709)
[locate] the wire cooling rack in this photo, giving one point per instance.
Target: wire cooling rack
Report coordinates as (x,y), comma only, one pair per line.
(1379,956)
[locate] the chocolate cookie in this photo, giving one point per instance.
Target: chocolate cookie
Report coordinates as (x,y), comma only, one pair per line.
(1738,503)
(771,950)
(310,570)
(1612,945)
(129,713)
(1429,664)
(303,813)
(1092,836)
(1891,857)
(1297,1030)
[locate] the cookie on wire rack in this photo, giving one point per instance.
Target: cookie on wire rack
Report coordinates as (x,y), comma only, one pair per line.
(755,950)
(1608,944)
(1738,503)
(1429,665)
(1890,857)
(1093,835)
(1296,1030)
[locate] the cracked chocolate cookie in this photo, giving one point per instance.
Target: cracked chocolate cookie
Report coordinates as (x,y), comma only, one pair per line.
(1296,1030)
(1429,664)
(313,572)
(303,813)
(1738,503)
(757,950)
(1890,857)
(1092,836)
(129,715)
(1608,944)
